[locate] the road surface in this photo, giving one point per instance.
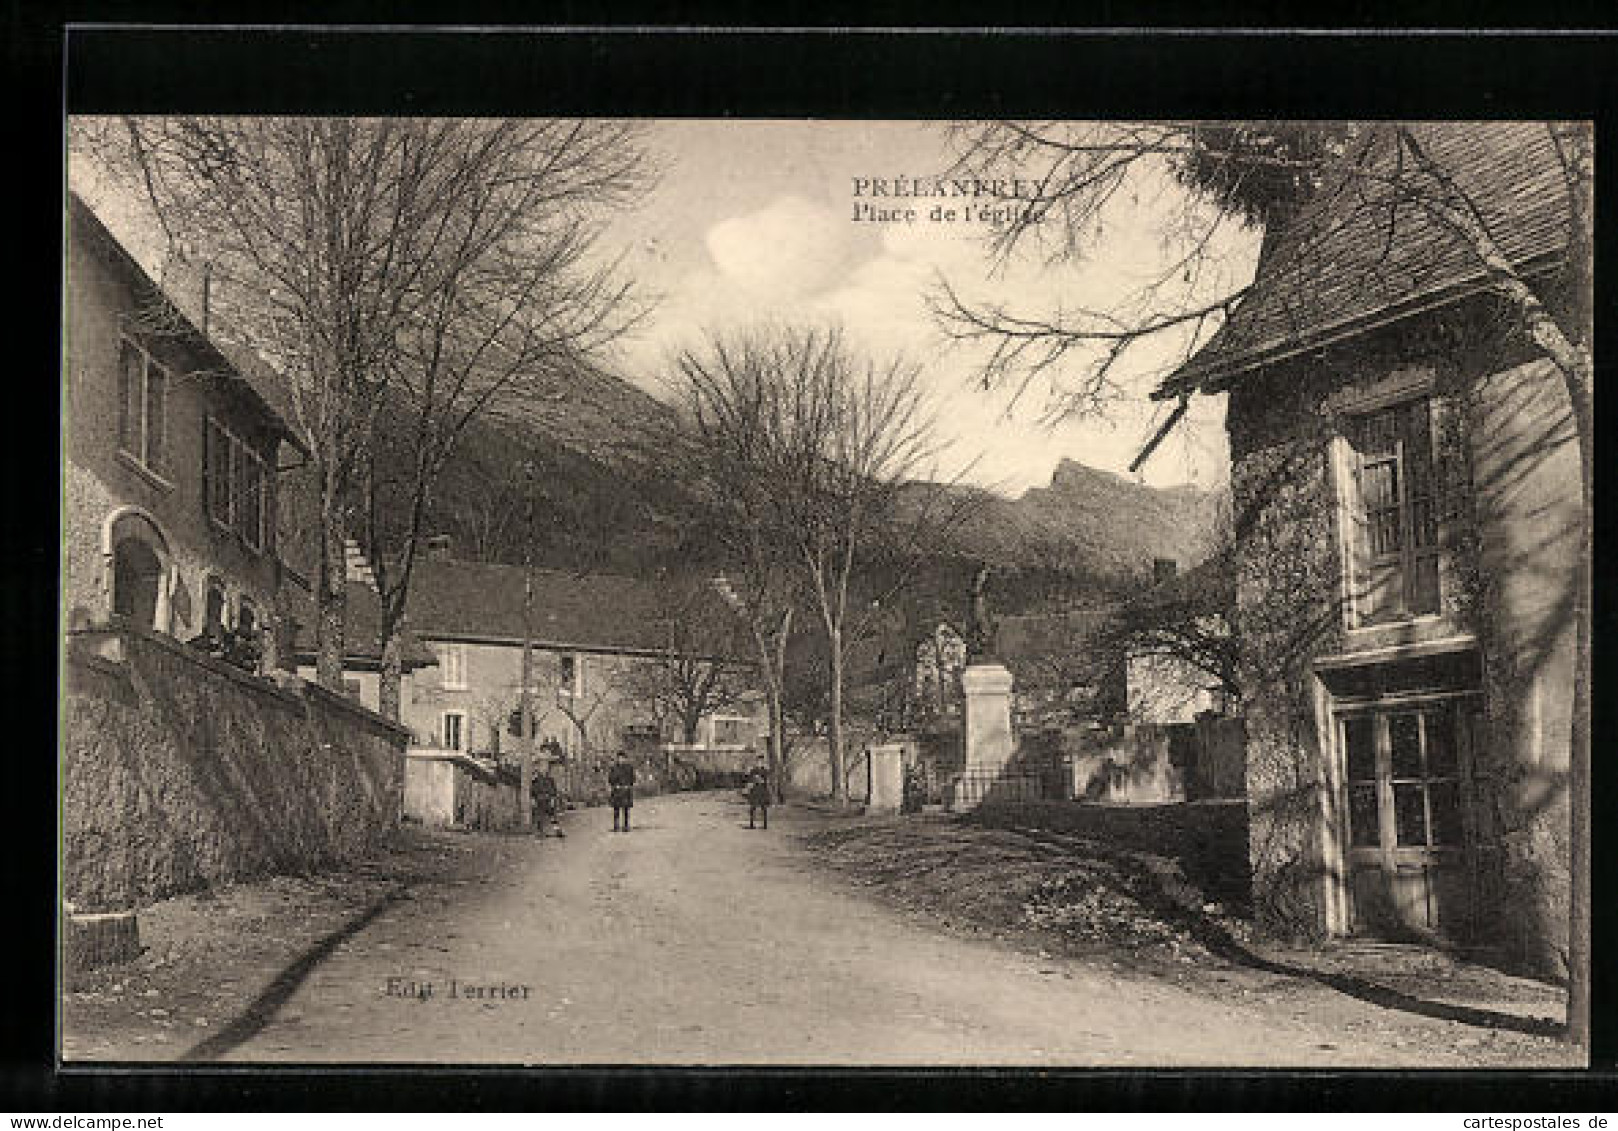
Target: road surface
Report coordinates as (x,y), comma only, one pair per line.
(694,940)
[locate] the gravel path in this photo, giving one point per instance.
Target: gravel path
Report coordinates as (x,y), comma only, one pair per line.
(693,940)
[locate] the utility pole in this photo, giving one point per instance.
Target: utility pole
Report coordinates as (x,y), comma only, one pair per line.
(525,706)
(525,699)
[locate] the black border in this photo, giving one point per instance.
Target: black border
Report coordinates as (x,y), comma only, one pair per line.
(752,73)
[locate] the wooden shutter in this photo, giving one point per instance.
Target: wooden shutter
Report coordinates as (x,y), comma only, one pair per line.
(1356,530)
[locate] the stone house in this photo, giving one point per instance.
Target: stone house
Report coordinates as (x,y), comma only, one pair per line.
(593,636)
(183,766)
(1405,481)
(172,451)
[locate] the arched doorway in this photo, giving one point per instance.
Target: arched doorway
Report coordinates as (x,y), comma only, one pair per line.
(138,569)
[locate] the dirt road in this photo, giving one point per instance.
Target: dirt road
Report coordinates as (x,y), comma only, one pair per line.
(693,940)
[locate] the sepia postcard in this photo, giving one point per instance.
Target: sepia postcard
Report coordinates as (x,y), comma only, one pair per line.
(814,591)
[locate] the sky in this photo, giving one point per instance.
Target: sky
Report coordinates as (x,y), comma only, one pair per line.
(755,220)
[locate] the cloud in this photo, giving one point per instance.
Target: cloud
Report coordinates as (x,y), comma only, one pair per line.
(791,248)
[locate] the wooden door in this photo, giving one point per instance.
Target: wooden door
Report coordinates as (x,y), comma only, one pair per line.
(1410,854)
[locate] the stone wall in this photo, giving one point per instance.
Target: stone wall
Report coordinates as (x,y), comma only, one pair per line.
(179,771)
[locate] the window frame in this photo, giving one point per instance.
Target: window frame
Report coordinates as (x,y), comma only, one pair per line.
(1397,397)
(224,462)
(452,676)
(150,448)
(462,731)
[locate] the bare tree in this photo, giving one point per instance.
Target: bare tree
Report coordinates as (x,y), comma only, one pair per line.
(1265,173)
(698,671)
(820,442)
(435,269)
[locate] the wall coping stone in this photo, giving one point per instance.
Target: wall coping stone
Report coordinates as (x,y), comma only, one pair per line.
(95,638)
(359,711)
(88,647)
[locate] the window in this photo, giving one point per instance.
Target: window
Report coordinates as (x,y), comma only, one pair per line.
(452,666)
(140,569)
(1393,522)
(233,484)
(729,731)
(569,675)
(137,583)
(454,730)
(142,405)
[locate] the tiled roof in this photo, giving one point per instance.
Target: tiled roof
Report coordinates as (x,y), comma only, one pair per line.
(261,384)
(590,611)
(1357,256)
(362,628)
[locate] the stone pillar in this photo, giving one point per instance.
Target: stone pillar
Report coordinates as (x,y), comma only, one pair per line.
(989,739)
(887,779)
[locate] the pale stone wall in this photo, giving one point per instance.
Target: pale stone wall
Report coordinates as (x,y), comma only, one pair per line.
(179,771)
(1525,467)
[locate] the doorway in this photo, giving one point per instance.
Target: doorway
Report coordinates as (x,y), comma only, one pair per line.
(1410,787)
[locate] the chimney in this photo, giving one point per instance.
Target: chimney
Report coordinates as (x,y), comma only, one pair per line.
(440,545)
(1163,569)
(187,282)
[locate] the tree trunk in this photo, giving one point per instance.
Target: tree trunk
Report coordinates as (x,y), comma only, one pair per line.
(834,729)
(390,683)
(777,749)
(330,599)
(1580,154)
(1578,783)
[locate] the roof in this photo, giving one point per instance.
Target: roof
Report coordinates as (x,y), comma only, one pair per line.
(1362,254)
(362,628)
(455,599)
(246,370)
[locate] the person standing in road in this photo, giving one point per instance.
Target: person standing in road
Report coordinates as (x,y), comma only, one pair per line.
(547,800)
(758,793)
(621,790)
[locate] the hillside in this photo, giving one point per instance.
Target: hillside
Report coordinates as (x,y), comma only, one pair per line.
(606,491)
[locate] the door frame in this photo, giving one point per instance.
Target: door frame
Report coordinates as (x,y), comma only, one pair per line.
(1388,852)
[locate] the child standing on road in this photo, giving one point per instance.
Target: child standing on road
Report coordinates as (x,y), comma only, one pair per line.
(621,790)
(758,793)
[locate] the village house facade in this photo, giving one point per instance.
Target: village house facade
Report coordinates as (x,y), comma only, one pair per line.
(171,457)
(593,637)
(1405,481)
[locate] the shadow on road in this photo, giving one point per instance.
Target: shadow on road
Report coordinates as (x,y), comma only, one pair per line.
(1149,887)
(276,994)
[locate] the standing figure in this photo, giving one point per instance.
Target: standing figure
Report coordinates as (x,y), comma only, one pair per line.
(547,800)
(979,621)
(621,790)
(758,793)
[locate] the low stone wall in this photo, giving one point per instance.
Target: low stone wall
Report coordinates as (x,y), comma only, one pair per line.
(449,789)
(179,771)
(1208,839)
